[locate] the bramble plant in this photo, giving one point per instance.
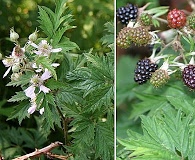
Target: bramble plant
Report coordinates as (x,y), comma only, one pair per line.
(72,92)
(163,98)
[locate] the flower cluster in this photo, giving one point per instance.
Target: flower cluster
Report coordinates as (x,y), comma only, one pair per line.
(23,60)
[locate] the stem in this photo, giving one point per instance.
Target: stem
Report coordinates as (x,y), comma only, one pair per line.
(65,125)
(160,19)
(39,152)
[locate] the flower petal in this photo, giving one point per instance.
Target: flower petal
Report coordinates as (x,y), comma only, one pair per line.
(30,92)
(32,44)
(44,89)
(32,109)
(56,50)
(38,52)
(41,110)
(6,73)
(55,64)
(46,75)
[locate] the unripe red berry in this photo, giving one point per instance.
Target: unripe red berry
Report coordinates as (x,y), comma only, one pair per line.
(176,19)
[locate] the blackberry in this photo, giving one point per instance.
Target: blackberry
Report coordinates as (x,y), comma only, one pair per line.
(191,21)
(159,77)
(145,19)
(127,13)
(140,35)
(122,38)
(176,19)
(144,70)
(188,76)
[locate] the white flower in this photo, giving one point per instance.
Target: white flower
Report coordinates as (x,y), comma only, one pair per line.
(14,59)
(30,92)
(33,107)
(37,81)
(44,48)
(18,53)
(46,75)
(8,62)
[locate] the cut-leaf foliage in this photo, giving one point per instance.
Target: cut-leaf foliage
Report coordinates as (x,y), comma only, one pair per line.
(167,135)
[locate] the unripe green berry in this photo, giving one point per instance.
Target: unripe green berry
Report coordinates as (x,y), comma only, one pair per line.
(15,76)
(191,21)
(159,78)
(146,19)
(15,68)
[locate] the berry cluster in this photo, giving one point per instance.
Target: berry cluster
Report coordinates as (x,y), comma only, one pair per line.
(188,75)
(127,13)
(176,19)
(159,77)
(144,70)
(140,35)
(122,38)
(191,21)
(145,19)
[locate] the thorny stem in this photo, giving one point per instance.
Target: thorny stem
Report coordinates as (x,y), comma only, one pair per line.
(39,152)
(65,125)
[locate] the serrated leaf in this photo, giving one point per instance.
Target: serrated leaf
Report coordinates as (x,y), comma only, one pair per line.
(54,85)
(23,80)
(167,134)
(48,115)
(67,45)
(20,111)
(104,146)
(182,102)
(50,99)
(69,95)
(45,22)
(20,96)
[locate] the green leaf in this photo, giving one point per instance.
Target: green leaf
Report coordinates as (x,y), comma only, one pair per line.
(20,96)
(184,103)
(45,21)
(67,45)
(23,80)
(54,85)
(50,99)
(104,146)
(20,111)
(166,134)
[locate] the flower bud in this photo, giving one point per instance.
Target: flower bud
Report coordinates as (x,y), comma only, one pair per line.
(33,37)
(1,56)
(15,68)
(15,76)
(13,35)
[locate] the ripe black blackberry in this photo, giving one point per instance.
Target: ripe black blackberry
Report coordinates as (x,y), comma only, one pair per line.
(127,13)
(188,76)
(144,70)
